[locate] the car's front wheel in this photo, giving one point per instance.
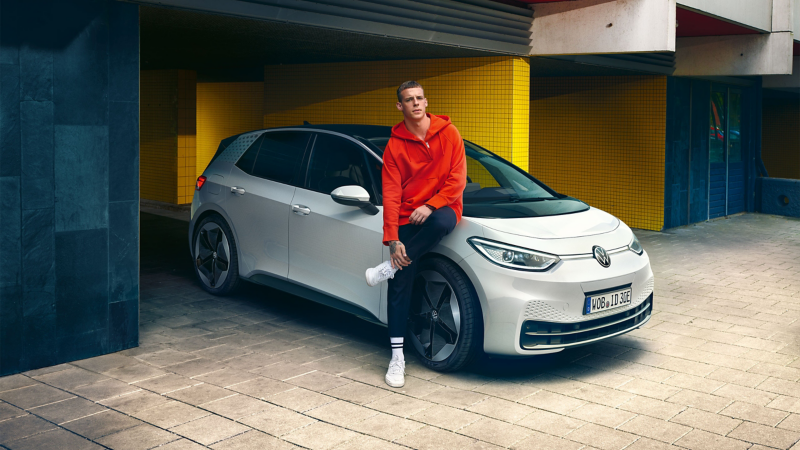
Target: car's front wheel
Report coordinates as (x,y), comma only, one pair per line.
(215,256)
(445,323)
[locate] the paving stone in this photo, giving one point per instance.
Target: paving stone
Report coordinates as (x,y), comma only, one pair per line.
(170,414)
(209,430)
(769,436)
(182,444)
(457,398)
(657,429)
(318,381)
(22,427)
(134,402)
(300,399)
(553,424)
(226,377)
(706,402)
(71,378)
(66,410)
(104,363)
(9,411)
(368,443)
(602,437)
(101,424)
(541,441)
(754,413)
(237,406)
(446,417)
(105,389)
(342,413)
(703,440)
(253,440)
(134,373)
(277,421)
(195,367)
(601,415)
(506,390)
(261,387)
(167,357)
(650,389)
(791,423)
(431,438)
(500,409)
(358,393)
(336,365)
(142,437)
(557,403)
(715,423)
(16,381)
(56,439)
(34,395)
(320,436)
(399,405)
(167,383)
(386,427)
(202,393)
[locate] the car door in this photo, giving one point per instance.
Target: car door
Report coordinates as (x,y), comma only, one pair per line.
(332,245)
(261,186)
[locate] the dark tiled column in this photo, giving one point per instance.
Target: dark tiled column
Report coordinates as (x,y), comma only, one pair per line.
(69,165)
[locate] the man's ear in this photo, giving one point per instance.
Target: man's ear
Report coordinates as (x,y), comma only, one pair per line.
(399,106)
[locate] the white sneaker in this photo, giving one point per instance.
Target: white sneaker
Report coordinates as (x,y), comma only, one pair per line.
(381,273)
(396,375)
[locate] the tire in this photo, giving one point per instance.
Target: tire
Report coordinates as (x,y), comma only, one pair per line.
(216,261)
(444,302)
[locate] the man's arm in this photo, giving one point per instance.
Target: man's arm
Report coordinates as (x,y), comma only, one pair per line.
(392,196)
(456,180)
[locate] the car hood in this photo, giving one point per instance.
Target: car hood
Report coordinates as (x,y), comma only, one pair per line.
(586,223)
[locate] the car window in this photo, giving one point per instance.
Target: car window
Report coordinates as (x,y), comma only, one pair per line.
(337,162)
(280,155)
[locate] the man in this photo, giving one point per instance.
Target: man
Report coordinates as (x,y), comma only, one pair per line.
(424,175)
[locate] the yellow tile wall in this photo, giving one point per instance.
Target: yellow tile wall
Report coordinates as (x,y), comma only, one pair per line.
(223,110)
(187,118)
(601,140)
(158,135)
(780,137)
(486,98)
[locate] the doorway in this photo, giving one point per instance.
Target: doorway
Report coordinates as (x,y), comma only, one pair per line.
(726,163)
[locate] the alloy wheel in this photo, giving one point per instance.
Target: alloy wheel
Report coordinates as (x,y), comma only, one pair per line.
(212,252)
(434,318)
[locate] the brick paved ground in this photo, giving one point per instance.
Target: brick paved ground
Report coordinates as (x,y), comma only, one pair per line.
(716,368)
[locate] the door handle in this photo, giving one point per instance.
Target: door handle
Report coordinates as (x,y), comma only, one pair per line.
(237,190)
(301,210)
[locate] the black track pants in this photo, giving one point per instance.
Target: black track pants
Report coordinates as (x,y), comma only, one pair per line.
(419,240)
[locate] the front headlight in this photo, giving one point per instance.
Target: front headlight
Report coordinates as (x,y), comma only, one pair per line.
(513,257)
(635,246)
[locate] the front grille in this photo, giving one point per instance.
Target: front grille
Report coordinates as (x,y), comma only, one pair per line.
(537,334)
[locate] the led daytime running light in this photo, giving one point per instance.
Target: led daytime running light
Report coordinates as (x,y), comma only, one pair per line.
(513,257)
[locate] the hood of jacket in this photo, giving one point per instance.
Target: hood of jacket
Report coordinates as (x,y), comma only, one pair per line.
(438,123)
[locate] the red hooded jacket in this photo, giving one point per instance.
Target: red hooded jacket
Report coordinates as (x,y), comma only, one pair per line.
(416,172)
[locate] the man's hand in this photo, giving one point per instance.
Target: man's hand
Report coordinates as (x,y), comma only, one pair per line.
(420,215)
(397,254)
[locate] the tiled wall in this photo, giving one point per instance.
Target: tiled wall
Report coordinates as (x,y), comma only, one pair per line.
(69,181)
(168,135)
(223,110)
(601,139)
(486,98)
(780,137)
(187,134)
(158,150)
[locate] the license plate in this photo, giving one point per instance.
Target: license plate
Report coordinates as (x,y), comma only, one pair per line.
(607,300)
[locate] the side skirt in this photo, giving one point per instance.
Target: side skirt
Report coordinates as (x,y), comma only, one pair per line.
(315,296)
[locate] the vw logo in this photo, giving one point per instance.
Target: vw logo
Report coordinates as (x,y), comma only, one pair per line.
(435,314)
(601,256)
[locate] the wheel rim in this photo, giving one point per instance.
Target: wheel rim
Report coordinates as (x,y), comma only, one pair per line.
(434,320)
(212,252)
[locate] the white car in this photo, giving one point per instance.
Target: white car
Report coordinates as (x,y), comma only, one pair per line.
(527,271)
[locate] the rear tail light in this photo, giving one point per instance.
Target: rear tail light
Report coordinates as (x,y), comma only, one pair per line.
(200,182)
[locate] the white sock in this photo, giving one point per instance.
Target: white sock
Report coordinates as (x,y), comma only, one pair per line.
(397,348)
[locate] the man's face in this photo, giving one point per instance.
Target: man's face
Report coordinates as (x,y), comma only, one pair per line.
(413,104)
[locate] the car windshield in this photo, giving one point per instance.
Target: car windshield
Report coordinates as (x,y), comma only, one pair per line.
(493,180)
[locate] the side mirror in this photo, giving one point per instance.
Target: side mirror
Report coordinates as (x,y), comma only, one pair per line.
(354,196)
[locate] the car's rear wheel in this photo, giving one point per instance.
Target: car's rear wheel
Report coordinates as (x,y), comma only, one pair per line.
(215,256)
(445,325)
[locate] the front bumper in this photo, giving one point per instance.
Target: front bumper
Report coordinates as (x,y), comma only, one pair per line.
(554,302)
